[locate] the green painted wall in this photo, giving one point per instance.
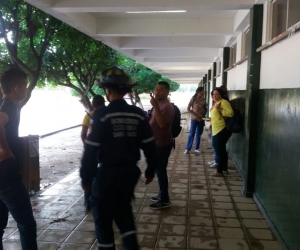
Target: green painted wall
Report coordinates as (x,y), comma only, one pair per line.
(277,184)
(277,179)
(236,143)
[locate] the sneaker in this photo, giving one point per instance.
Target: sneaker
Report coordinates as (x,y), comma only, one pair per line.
(214,165)
(154,198)
(160,205)
(197,151)
(211,162)
(186,152)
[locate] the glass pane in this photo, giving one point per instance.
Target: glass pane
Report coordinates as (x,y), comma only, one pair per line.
(279,15)
(294,12)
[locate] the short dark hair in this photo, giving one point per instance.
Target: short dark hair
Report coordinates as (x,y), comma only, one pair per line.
(164,83)
(98,100)
(11,78)
(199,89)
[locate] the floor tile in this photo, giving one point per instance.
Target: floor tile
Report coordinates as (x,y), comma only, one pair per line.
(174,219)
(233,244)
(225,213)
(53,235)
(81,237)
(201,221)
(203,243)
(205,232)
(231,233)
(228,222)
(265,245)
(166,229)
(47,245)
(171,241)
(70,246)
(253,223)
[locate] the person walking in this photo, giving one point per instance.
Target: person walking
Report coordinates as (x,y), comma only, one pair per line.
(161,119)
(14,196)
(197,109)
(220,134)
(97,102)
(118,133)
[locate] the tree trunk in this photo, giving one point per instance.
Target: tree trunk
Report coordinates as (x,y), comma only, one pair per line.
(85,101)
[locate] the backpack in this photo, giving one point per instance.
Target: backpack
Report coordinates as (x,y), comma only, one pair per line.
(234,124)
(176,128)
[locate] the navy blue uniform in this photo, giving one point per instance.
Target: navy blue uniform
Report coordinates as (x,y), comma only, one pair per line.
(118,133)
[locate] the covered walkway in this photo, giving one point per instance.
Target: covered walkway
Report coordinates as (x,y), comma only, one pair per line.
(206,213)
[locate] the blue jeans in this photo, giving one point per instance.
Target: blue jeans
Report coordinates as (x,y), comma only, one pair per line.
(14,199)
(163,154)
(112,192)
(219,145)
(212,145)
(197,127)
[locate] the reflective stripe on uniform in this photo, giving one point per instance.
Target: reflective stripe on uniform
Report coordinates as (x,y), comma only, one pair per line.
(121,114)
(106,245)
(128,233)
(148,140)
(96,144)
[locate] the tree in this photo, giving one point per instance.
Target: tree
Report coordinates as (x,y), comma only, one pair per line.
(25,33)
(75,60)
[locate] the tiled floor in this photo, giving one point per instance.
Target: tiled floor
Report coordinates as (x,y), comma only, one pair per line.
(206,212)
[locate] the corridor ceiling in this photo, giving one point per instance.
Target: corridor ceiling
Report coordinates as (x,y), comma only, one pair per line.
(180,45)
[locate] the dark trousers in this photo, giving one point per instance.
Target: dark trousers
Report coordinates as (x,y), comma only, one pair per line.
(219,144)
(14,199)
(112,192)
(163,154)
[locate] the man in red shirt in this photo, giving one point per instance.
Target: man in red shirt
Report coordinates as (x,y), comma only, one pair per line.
(161,119)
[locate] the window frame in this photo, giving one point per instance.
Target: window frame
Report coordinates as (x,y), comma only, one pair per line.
(233,50)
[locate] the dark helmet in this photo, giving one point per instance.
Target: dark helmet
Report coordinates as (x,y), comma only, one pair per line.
(115,78)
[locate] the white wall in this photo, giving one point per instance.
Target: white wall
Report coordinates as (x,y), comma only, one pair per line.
(237,77)
(219,81)
(280,65)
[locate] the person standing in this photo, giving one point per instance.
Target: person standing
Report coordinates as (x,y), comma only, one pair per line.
(197,109)
(97,102)
(14,196)
(220,134)
(161,119)
(118,133)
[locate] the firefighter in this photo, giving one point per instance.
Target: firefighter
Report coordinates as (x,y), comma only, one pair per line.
(118,133)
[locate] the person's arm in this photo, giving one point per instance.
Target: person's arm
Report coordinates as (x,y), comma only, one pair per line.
(92,146)
(225,109)
(83,134)
(190,110)
(160,119)
(148,145)
(4,148)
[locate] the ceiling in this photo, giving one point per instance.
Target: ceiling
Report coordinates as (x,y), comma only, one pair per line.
(180,46)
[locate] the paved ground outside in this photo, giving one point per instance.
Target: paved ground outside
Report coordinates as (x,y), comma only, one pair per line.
(206,213)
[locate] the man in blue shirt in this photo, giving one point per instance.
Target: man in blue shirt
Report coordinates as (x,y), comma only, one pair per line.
(118,133)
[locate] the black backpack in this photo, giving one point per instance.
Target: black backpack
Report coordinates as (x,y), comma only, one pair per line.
(234,124)
(176,128)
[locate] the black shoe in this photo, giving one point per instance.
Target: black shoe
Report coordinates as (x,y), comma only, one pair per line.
(160,205)
(154,198)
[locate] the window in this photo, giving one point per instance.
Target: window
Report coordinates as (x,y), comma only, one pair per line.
(285,13)
(232,55)
(246,42)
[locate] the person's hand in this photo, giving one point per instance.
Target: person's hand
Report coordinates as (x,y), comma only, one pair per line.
(153,101)
(5,154)
(86,188)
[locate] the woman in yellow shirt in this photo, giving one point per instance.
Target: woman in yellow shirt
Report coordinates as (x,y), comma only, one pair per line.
(220,109)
